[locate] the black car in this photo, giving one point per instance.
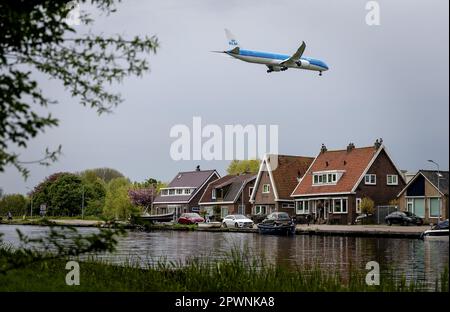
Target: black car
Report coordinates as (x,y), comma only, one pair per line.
(403,218)
(279,223)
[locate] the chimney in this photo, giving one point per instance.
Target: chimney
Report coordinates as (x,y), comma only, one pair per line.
(378,143)
(323,149)
(350,146)
(197,168)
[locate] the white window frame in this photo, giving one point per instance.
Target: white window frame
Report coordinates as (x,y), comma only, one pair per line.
(369,181)
(392,182)
(358,205)
(259,209)
(222,209)
(429,207)
(341,199)
(264,188)
(250,190)
(213,193)
(304,207)
(410,202)
(187,191)
(179,191)
(288,205)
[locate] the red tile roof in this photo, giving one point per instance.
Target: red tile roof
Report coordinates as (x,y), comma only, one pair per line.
(354,162)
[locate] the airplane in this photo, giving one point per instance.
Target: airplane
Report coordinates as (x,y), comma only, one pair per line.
(273,61)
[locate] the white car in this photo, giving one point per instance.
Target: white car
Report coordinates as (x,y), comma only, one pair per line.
(237,221)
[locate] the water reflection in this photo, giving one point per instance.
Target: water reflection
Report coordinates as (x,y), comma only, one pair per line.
(418,260)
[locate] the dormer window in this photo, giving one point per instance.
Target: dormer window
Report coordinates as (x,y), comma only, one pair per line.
(179,191)
(214,194)
(326,177)
(187,191)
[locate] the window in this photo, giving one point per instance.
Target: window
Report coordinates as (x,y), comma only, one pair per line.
(250,191)
(260,210)
(419,207)
(326,177)
(410,204)
(435,207)
(358,205)
(179,191)
(241,209)
(164,192)
(223,211)
(392,179)
(213,194)
(288,205)
(302,207)
(266,188)
(187,191)
(370,179)
(171,192)
(340,205)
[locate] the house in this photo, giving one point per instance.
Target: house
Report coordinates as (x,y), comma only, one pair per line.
(424,198)
(277,177)
(231,194)
(183,192)
(338,180)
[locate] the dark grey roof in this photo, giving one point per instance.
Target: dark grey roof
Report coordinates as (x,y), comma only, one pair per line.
(432,175)
(189,179)
(235,183)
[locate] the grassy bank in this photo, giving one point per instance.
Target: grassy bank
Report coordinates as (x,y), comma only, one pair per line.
(236,273)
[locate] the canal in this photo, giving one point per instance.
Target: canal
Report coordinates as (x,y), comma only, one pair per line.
(416,259)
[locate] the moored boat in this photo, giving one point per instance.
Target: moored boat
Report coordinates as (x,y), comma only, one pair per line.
(277,223)
(439,230)
(166,217)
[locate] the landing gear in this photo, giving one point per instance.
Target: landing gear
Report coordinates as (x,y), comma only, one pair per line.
(269,71)
(283,68)
(320,73)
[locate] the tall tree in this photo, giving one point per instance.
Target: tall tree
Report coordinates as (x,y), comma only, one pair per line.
(117,203)
(243,166)
(36,38)
(106,174)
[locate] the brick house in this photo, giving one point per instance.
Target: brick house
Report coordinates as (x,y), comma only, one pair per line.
(230,194)
(422,196)
(183,192)
(277,177)
(332,189)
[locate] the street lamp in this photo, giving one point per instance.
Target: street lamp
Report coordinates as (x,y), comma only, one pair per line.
(439,190)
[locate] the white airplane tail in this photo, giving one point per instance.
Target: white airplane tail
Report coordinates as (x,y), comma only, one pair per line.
(232,41)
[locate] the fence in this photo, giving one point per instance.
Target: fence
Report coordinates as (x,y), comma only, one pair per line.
(382,211)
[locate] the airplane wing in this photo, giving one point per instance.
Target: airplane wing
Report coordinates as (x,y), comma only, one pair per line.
(296,56)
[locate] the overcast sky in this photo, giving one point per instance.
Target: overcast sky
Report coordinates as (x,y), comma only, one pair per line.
(388,81)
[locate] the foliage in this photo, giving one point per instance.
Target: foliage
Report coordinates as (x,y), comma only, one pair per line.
(367,205)
(36,38)
(105,174)
(243,166)
(117,202)
(142,197)
(237,272)
(66,195)
(62,193)
(17,204)
(60,243)
(150,182)
(394,202)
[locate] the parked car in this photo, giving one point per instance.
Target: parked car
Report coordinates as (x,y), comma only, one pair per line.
(190,218)
(403,218)
(237,221)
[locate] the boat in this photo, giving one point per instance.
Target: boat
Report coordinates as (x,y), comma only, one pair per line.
(277,223)
(440,230)
(166,217)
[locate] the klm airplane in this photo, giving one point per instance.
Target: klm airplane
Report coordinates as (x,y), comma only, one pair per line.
(273,61)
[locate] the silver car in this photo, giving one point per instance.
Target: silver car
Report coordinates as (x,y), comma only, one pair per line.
(237,221)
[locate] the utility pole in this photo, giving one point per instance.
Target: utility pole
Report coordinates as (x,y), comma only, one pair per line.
(439,190)
(82,202)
